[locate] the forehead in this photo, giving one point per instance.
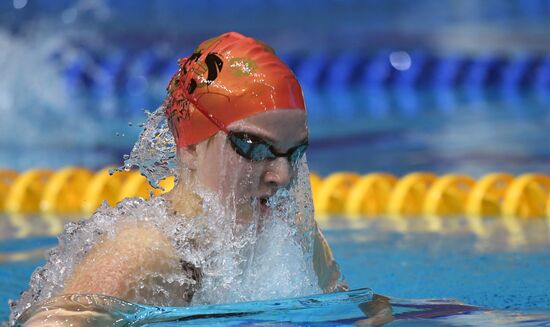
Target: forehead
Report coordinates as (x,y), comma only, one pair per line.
(278,125)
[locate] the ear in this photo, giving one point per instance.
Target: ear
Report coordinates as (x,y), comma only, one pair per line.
(188,157)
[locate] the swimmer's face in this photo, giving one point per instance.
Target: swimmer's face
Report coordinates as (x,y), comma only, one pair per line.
(244,184)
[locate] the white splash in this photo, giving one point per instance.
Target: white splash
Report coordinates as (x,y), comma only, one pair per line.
(268,258)
(155,151)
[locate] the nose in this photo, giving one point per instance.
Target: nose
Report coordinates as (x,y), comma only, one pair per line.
(278,173)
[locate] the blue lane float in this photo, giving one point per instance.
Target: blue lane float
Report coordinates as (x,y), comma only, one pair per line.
(128,81)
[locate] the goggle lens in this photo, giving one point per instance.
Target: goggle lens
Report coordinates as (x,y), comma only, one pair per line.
(255,148)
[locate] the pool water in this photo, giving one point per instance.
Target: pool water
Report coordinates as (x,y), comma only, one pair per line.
(450,114)
(355,308)
(474,136)
(489,263)
(501,266)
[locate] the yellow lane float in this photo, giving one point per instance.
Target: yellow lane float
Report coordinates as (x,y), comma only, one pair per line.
(137,185)
(527,196)
(26,191)
(65,190)
(487,195)
(333,193)
(409,193)
(7,177)
(447,195)
(77,191)
(369,196)
(104,186)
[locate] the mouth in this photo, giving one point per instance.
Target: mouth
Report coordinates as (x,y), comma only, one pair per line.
(264,204)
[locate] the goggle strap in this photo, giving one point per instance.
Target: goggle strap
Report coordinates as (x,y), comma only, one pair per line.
(206,114)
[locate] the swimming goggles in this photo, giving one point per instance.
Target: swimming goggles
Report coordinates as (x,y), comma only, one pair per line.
(252,147)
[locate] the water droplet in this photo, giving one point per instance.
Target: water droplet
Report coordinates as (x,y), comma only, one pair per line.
(130,124)
(126,157)
(117,134)
(19,4)
(400,60)
(122,134)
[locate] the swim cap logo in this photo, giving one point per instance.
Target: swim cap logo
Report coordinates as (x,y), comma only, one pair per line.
(178,104)
(212,65)
(242,66)
(215,65)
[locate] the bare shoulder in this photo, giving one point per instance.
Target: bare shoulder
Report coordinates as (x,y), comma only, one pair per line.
(138,265)
(115,266)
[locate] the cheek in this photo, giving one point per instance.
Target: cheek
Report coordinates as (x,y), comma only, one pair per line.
(228,173)
(244,176)
(235,173)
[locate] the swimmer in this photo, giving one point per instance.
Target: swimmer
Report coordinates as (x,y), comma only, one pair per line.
(238,118)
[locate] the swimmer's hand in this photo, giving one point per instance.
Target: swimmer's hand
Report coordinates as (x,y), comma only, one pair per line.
(74,310)
(65,318)
(378,311)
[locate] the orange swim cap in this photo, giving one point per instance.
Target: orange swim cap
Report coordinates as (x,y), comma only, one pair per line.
(226,79)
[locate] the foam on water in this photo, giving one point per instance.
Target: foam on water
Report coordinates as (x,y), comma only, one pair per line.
(33,94)
(235,267)
(36,104)
(266,263)
(268,257)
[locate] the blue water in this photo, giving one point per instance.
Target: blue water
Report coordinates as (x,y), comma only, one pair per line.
(499,270)
(356,307)
(472,136)
(487,133)
(491,267)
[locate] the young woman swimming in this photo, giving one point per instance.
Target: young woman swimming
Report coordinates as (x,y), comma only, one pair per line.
(231,227)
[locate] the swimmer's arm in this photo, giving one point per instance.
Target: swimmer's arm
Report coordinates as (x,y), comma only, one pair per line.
(115,267)
(327,270)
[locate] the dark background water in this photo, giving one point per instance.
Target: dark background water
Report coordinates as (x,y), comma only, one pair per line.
(471,93)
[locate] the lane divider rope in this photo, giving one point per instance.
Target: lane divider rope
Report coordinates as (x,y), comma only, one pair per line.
(79,192)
